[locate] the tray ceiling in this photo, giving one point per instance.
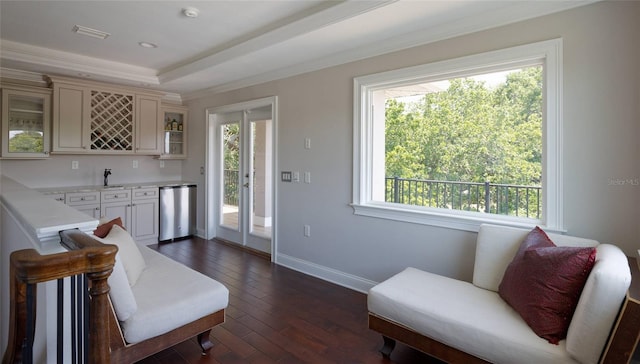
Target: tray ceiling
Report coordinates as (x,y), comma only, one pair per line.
(231,44)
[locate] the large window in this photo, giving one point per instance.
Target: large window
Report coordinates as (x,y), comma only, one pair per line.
(461,142)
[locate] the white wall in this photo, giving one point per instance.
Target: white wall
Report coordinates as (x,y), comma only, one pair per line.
(56,171)
(601,132)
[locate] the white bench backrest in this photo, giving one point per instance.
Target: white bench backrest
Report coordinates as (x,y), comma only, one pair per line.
(497,245)
(601,297)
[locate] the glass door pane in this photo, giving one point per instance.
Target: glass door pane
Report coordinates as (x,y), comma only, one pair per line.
(261,159)
(26,124)
(173,133)
(230,214)
(245,140)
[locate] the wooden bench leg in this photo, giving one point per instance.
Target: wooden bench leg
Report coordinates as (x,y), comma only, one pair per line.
(205,342)
(387,347)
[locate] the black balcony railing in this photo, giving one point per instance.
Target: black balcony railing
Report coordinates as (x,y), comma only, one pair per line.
(230,195)
(501,199)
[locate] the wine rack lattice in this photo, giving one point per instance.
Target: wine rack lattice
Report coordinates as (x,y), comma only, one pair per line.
(111,121)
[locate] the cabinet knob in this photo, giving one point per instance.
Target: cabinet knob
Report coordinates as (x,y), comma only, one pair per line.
(81,198)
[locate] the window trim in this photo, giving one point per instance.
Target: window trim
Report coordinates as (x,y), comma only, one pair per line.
(548,53)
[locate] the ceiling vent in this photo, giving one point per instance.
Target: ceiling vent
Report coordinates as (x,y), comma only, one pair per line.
(90,32)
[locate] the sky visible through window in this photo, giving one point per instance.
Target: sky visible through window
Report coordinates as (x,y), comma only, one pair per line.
(413,93)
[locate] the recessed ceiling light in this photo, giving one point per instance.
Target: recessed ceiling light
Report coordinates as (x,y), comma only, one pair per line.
(79,29)
(190,12)
(147,45)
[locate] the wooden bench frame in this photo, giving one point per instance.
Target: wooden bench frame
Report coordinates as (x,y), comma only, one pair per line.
(619,349)
(122,352)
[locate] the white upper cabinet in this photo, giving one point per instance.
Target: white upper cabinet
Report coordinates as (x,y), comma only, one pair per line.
(71,118)
(149,125)
(104,119)
(25,122)
(174,140)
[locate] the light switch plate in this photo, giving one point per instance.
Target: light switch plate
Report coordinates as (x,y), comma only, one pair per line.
(285,176)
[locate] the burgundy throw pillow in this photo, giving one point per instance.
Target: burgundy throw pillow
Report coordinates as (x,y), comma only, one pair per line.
(543,283)
(103,230)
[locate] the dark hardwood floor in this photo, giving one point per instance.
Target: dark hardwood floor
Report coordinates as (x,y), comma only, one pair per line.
(278,315)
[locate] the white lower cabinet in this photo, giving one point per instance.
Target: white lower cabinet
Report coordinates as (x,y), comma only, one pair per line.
(116,203)
(144,214)
(57,196)
(138,208)
(87,202)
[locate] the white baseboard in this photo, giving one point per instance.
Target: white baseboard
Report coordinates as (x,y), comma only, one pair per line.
(325,273)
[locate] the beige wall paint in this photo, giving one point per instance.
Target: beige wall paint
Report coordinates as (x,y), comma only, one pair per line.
(56,171)
(601,132)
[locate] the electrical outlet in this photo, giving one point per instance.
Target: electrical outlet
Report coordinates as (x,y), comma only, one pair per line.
(307,143)
(161,164)
(296,176)
(135,163)
(74,164)
(307,231)
(307,177)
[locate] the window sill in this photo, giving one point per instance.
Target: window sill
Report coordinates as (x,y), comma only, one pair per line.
(452,219)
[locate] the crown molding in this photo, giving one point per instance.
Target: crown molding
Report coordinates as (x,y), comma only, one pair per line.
(42,80)
(23,76)
(74,64)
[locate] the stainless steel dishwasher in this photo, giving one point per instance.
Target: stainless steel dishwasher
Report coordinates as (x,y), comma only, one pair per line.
(177,211)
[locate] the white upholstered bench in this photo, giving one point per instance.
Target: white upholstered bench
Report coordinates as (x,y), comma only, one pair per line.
(468,322)
(157,302)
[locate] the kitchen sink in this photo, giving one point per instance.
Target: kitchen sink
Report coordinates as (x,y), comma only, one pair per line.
(113,187)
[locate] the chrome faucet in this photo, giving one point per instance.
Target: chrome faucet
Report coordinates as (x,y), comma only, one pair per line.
(107,172)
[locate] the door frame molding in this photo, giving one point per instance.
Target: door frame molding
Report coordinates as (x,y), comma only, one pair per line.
(213,153)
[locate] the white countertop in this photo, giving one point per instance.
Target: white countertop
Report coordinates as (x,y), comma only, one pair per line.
(97,188)
(40,216)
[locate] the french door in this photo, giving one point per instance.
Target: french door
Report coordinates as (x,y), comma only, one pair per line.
(244,140)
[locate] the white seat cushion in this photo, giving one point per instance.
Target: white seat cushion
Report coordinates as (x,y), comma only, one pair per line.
(120,291)
(463,316)
(170,295)
(132,259)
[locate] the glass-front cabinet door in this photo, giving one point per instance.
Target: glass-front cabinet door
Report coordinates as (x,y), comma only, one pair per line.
(175,132)
(25,122)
